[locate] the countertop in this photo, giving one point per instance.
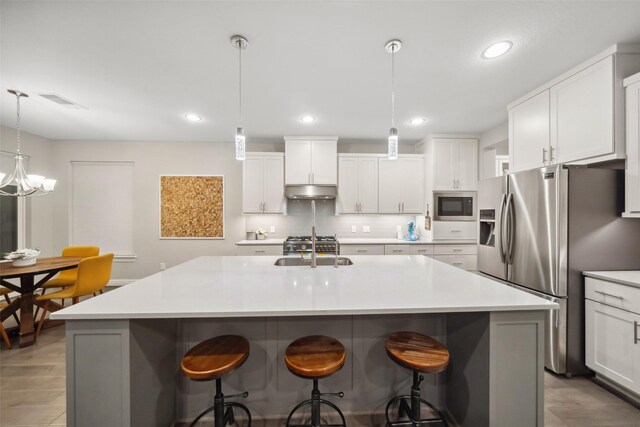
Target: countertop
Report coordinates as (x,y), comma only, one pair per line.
(363,241)
(630,277)
(250,286)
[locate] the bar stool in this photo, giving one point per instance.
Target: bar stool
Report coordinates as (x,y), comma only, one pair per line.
(314,357)
(419,353)
(211,359)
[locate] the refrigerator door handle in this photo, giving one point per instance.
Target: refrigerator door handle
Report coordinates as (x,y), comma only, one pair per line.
(511,219)
(503,204)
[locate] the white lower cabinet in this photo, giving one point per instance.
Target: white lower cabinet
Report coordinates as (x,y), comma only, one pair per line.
(259,250)
(397,250)
(361,249)
(465,262)
(612,336)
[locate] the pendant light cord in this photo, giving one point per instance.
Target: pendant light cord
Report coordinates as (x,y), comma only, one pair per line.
(393,93)
(240,82)
(18,122)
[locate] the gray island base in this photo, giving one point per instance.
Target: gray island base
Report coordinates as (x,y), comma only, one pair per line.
(124,347)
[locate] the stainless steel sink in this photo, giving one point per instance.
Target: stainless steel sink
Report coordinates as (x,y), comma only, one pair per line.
(324,261)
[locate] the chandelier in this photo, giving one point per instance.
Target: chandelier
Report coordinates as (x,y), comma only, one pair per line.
(25,185)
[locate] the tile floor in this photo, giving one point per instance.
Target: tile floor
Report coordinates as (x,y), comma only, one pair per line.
(32,391)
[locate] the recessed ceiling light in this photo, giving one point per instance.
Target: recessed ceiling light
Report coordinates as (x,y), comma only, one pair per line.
(497,49)
(417,121)
(192,117)
(307,119)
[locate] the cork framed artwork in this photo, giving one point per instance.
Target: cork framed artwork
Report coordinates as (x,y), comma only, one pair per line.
(191,207)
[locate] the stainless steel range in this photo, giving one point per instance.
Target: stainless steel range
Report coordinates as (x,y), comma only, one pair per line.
(302,245)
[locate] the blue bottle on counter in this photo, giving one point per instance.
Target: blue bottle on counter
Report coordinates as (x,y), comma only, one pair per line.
(411,232)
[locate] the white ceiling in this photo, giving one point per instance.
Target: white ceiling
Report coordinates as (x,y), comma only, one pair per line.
(140,66)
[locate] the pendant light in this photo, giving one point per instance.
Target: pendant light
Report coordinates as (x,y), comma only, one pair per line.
(241,44)
(25,185)
(392,46)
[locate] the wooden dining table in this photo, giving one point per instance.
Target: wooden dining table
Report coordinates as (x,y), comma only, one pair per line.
(48,267)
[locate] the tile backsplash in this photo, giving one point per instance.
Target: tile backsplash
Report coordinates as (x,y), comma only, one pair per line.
(298,221)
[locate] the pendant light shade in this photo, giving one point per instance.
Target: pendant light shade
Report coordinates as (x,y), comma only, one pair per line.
(241,44)
(392,46)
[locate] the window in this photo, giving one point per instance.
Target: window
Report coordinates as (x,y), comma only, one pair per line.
(102,206)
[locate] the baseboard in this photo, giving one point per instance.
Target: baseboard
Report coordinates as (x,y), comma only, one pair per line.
(618,390)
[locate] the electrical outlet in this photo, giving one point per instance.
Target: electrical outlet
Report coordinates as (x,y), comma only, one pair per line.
(365,229)
(354,228)
(272,229)
(162,266)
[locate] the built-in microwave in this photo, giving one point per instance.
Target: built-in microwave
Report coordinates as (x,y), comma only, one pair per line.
(454,206)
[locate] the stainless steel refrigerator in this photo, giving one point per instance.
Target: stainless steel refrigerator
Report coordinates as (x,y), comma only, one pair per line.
(540,229)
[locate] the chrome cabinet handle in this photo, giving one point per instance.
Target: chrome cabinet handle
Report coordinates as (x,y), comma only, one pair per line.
(604,294)
(551,150)
(402,206)
(454,183)
(362,251)
(398,207)
(544,155)
(457,250)
(259,251)
(397,250)
(456,231)
(635,332)
(457,263)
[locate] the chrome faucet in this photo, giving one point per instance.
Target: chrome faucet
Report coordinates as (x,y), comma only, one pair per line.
(313,234)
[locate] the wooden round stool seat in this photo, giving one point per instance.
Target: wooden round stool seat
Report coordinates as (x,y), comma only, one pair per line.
(315,356)
(213,358)
(417,352)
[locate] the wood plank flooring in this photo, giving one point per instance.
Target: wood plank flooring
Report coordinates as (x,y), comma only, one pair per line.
(32,391)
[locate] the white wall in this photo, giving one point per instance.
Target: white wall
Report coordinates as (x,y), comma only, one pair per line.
(493,142)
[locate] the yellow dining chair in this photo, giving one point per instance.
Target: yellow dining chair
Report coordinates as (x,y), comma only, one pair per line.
(92,275)
(67,278)
(4,292)
(5,337)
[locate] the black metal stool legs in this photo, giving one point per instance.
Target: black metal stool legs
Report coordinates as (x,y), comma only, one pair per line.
(412,411)
(223,418)
(315,402)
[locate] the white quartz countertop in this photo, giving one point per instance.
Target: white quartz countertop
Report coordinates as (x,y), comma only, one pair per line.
(630,277)
(363,241)
(238,286)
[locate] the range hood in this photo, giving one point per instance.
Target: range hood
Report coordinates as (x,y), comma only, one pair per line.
(310,192)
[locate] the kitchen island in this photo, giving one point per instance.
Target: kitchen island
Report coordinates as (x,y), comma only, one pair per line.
(124,347)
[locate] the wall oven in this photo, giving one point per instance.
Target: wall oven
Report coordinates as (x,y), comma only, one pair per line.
(454,206)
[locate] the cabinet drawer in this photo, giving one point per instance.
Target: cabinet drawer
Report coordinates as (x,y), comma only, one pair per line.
(422,250)
(452,230)
(455,249)
(397,250)
(266,250)
(361,250)
(465,262)
(613,294)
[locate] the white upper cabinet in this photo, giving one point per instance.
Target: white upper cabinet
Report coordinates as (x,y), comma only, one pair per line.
(632,172)
(357,184)
(577,118)
(263,183)
(311,161)
(401,185)
(529,133)
(582,114)
(455,163)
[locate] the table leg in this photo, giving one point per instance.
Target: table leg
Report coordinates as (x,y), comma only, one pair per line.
(27,336)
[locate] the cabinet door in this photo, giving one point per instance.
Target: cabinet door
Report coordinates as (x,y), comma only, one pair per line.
(298,162)
(529,133)
(347,185)
(582,114)
(467,165)
(411,185)
(368,184)
(611,347)
(273,178)
(324,162)
(389,185)
(632,172)
(397,250)
(252,185)
(444,159)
